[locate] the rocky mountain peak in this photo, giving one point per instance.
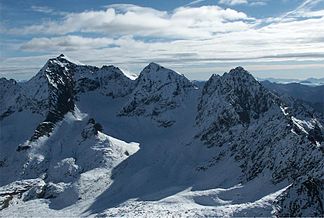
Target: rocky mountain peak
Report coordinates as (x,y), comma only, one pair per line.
(66,60)
(239,71)
(236,96)
(157,91)
(153,68)
(158,73)
(52,88)
(240,77)
(238,115)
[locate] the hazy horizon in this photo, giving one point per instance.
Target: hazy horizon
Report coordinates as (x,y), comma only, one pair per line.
(204,77)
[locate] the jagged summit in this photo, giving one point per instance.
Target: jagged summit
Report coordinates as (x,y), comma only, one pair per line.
(238,70)
(237,96)
(235,81)
(235,77)
(65,59)
(3,80)
(240,74)
(108,67)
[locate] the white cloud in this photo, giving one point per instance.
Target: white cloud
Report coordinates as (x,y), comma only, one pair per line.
(305,10)
(47,10)
(121,19)
(242,2)
(63,43)
(131,36)
(42,9)
(195,2)
(207,33)
(258,3)
(233,2)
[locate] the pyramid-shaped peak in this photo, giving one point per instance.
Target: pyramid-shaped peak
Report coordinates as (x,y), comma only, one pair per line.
(157,72)
(153,64)
(239,73)
(65,59)
(237,70)
(153,67)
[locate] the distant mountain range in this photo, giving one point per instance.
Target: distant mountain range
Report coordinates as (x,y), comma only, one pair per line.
(308,82)
(78,140)
(311,95)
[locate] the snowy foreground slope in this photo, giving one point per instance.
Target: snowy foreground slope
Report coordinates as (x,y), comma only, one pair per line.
(78,140)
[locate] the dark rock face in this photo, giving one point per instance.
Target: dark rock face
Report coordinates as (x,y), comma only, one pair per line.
(315,135)
(61,97)
(236,96)
(303,198)
(246,121)
(85,85)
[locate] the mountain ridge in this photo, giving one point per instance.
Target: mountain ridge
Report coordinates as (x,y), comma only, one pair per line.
(159,138)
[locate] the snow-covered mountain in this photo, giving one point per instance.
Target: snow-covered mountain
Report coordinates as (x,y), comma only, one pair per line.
(78,140)
(158,92)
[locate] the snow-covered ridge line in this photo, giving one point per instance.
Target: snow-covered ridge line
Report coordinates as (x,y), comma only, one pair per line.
(105,145)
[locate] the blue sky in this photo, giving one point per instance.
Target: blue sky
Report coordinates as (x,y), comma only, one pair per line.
(270,38)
